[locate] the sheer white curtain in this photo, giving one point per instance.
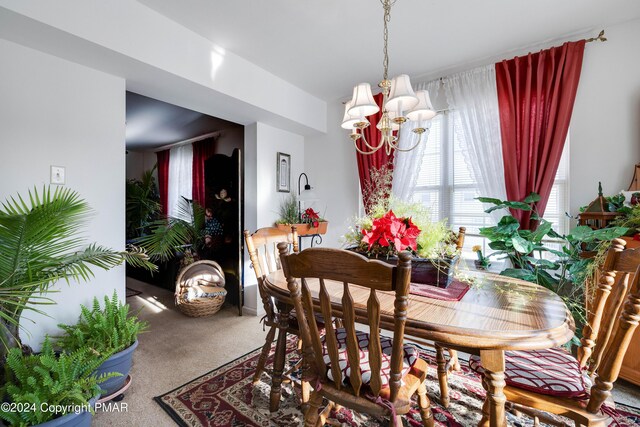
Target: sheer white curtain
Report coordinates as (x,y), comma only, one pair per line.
(180,177)
(474,97)
(406,164)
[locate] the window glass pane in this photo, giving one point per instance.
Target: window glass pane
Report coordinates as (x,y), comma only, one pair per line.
(430,173)
(448,187)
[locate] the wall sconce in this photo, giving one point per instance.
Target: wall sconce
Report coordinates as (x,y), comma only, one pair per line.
(307,195)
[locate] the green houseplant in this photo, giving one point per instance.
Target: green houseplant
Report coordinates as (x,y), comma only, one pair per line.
(306,222)
(182,235)
(109,331)
(562,271)
(394,225)
(142,204)
(54,389)
(39,245)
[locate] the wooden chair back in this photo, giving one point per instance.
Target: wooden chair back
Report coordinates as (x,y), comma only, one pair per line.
(613,317)
(349,269)
(263,252)
(460,239)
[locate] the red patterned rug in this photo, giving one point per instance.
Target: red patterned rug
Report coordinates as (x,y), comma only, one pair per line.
(226,397)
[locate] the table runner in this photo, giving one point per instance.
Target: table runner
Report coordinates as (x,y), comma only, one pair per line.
(454,292)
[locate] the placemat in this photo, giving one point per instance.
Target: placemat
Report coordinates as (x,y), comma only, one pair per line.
(454,292)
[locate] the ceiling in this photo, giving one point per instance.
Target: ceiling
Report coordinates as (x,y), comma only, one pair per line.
(152,123)
(325,47)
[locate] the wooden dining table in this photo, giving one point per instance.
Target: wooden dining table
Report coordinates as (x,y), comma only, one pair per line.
(497,313)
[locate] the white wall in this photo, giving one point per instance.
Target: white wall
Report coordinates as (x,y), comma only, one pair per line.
(271,141)
(605,127)
(162,59)
(330,162)
(53,112)
(137,162)
(262,143)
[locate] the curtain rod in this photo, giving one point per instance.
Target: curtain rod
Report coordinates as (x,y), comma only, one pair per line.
(188,141)
(600,37)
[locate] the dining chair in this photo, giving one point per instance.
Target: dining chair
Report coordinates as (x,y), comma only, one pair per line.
(580,388)
(363,371)
(263,253)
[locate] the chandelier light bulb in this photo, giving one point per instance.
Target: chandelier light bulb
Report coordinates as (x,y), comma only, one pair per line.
(402,97)
(349,121)
(424,109)
(363,103)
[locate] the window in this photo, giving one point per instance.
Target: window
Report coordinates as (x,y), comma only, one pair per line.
(447,185)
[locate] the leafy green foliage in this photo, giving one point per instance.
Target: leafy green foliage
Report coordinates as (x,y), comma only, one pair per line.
(39,245)
(143,204)
(45,378)
(176,234)
(105,331)
(566,273)
(436,240)
(288,212)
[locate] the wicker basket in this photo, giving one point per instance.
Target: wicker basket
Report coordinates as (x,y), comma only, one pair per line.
(200,289)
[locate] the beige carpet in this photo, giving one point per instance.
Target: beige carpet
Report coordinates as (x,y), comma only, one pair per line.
(178,349)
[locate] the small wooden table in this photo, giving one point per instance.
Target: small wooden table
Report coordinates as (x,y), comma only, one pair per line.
(496,314)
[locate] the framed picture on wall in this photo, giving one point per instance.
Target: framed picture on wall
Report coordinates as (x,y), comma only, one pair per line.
(283,174)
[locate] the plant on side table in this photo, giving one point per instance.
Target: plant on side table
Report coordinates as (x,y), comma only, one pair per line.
(306,222)
(109,331)
(50,389)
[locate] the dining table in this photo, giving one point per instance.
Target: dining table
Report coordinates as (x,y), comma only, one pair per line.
(495,314)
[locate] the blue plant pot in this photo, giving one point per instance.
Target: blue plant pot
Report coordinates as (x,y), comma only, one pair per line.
(81,419)
(119,362)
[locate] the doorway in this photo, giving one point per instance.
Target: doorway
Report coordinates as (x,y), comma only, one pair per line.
(154,126)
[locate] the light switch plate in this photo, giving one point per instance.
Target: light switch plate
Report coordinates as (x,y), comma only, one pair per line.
(57,175)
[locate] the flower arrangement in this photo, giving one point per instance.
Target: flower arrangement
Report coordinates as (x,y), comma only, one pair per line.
(394,226)
(309,216)
(308,221)
(389,231)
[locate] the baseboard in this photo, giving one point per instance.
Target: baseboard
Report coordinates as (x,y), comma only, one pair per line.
(250,311)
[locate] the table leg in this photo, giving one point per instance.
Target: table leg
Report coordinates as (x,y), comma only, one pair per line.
(279,357)
(493,364)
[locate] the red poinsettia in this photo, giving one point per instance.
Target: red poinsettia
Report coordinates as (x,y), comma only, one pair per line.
(392,233)
(311,217)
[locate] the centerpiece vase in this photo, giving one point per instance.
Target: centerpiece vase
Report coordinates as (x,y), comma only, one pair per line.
(425,271)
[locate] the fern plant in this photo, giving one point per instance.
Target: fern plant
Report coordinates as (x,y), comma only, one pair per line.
(104,330)
(41,243)
(49,381)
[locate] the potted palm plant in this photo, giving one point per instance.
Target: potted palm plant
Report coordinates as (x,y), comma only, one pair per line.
(51,390)
(142,204)
(39,245)
(182,235)
(108,331)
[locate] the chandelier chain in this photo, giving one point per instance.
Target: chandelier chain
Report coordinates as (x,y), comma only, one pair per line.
(386,4)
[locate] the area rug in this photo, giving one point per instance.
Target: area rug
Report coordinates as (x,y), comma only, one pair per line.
(227,397)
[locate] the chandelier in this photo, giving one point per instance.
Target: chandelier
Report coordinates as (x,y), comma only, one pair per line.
(400,106)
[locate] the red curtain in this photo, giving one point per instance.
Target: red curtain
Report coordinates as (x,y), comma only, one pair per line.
(535,96)
(202,150)
(372,162)
(163,178)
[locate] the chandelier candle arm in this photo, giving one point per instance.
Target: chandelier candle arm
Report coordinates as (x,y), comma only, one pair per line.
(400,105)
